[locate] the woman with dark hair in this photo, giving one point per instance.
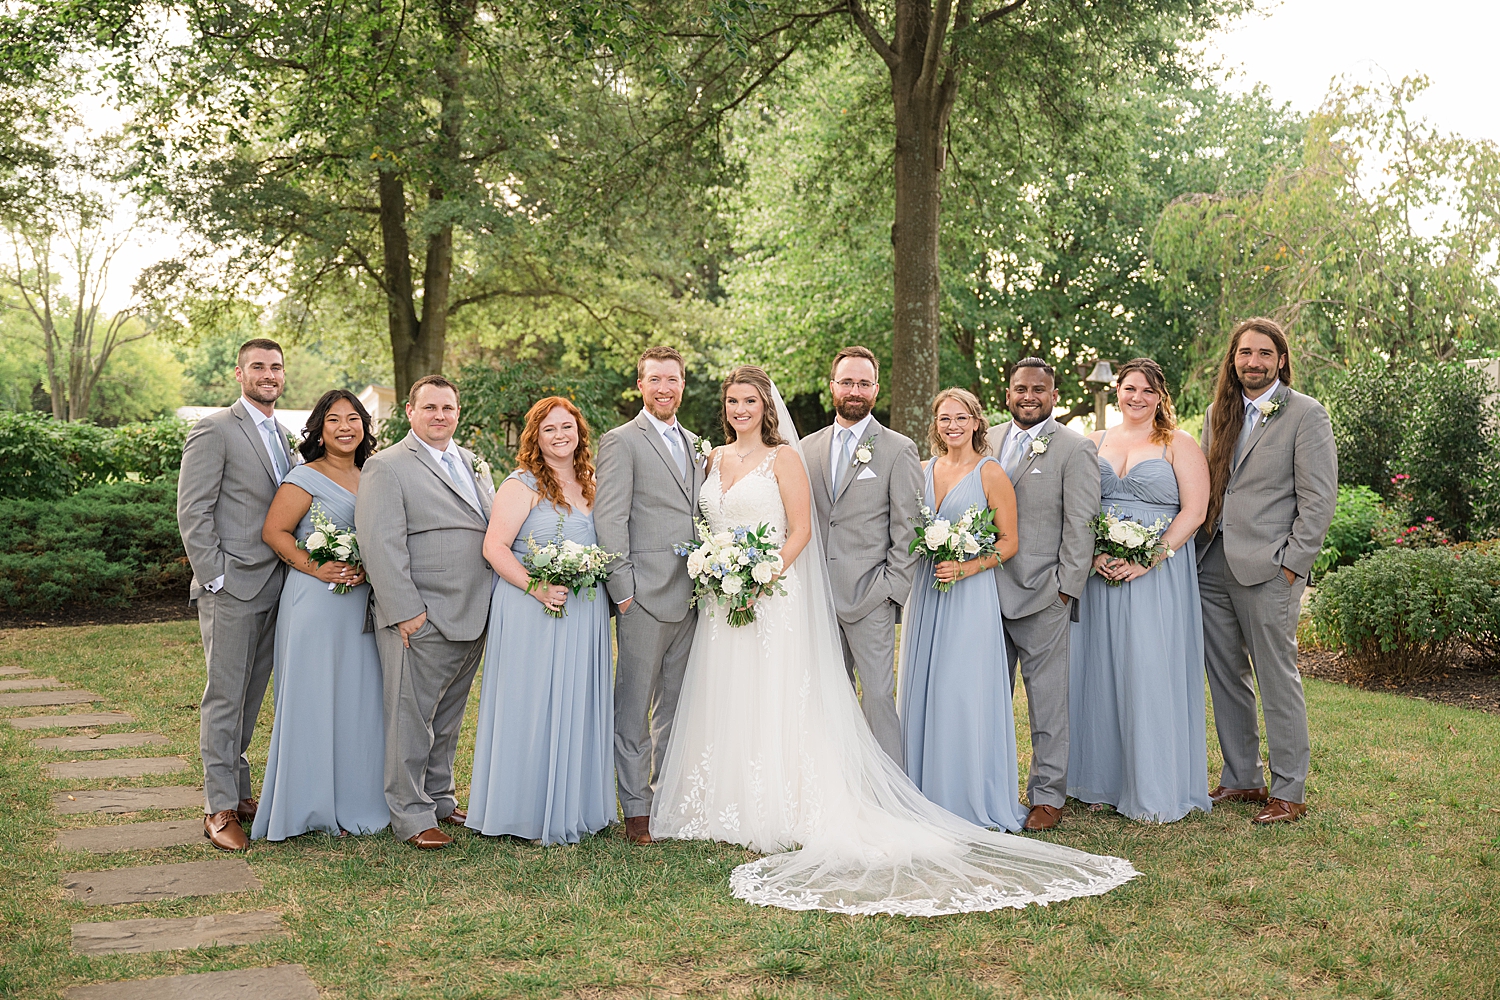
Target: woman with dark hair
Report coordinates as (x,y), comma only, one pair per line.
(325,770)
(544,748)
(957,720)
(1135,690)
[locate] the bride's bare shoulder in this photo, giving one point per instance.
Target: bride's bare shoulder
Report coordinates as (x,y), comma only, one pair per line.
(788,465)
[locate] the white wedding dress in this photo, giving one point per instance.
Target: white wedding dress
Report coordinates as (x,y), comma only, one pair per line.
(770,750)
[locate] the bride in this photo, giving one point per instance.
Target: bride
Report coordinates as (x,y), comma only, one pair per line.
(770,750)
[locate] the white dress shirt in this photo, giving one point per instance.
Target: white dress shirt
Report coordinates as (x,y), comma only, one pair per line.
(1016,430)
(858,433)
(1271,390)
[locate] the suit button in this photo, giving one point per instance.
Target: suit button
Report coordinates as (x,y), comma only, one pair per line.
(833,524)
(1227,492)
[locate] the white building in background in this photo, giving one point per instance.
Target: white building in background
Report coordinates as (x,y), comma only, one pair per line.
(379,400)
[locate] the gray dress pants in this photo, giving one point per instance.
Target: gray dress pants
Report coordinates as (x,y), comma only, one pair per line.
(239,644)
(1250,640)
(653,657)
(1039,643)
(426,691)
(870,651)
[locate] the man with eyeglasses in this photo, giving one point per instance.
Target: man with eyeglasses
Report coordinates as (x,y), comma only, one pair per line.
(865,482)
(1055,472)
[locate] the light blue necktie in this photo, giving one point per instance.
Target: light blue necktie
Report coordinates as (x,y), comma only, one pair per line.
(268,431)
(1252,417)
(1018,449)
(846,457)
(456,473)
(678,450)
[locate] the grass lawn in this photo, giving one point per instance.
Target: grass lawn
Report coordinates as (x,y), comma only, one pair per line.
(1388,889)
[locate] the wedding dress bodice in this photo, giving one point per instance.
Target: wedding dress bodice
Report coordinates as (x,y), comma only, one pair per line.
(752,501)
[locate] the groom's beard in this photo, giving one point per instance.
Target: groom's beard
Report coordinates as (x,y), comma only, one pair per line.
(854,410)
(1026,422)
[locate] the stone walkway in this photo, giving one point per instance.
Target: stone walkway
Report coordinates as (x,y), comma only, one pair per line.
(216,875)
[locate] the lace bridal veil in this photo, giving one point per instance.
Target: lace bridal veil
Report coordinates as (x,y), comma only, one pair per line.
(874,843)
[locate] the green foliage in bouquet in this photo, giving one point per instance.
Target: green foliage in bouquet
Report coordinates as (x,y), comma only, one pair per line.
(1404,612)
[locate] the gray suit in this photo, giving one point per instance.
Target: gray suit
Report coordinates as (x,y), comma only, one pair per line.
(224,489)
(1277,508)
(865,530)
(1057,493)
(422,541)
(643,507)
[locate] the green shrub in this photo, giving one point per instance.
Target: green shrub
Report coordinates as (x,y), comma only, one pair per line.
(1367,405)
(1403,612)
(105,545)
(1357,516)
(1448,448)
(46,459)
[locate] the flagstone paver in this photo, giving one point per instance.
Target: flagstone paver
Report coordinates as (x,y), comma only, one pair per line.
(132,836)
(126,800)
(22,683)
(13,671)
(28,699)
(72,721)
(119,767)
(136,936)
(277,982)
(104,741)
(152,882)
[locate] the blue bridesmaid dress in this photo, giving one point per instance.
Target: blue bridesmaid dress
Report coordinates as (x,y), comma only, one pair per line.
(957,722)
(544,749)
(1136,703)
(326,768)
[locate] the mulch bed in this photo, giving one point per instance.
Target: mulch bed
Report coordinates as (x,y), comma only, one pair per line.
(157,609)
(1470,681)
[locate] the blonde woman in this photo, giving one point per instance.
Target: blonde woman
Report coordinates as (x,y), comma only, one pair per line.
(1135,693)
(955,698)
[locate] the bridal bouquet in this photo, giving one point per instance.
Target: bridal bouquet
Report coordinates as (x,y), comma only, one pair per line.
(940,540)
(566,563)
(1121,538)
(330,543)
(733,569)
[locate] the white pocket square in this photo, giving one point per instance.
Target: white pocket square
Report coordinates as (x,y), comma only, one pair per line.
(1036,472)
(866,473)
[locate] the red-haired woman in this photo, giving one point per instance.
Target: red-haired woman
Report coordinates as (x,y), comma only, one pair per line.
(544,749)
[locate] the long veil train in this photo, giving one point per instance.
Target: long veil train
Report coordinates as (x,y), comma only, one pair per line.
(866,839)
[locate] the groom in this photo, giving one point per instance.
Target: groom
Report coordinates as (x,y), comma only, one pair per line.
(649,476)
(421,518)
(1273,479)
(1055,472)
(865,482)
(232,465)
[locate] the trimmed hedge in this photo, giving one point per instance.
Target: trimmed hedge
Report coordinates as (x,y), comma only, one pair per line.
(46,459)
(1403,612)
(1356,517)
(104,546)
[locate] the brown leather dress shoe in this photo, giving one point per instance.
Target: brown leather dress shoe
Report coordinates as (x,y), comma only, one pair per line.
(638,829)
(430,840)
(1280,811)
(1042,818)
(223,830)
(456,818)
(246,811)
(1221,794)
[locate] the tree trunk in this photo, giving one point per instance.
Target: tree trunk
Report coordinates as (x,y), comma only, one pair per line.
(914,241)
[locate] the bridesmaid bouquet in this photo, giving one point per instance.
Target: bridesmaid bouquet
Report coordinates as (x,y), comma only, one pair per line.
(1121,538)
(565,563)
(733,569)
(940,540)
(330,543)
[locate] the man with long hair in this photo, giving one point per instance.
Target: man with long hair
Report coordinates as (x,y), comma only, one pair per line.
(1273,479)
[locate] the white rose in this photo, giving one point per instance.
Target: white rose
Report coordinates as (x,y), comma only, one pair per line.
(862,456)
(763,573)
(571,548)
(937,533)
(743,560)
(732,585)
(316,540)
(1038,447)
(695,563)
(729,554)
(723,538)
(1119,532)
(971,545)
(779,564)
(1135,541)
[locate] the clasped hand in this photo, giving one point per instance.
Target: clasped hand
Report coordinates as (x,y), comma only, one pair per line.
(951,570)
(553,595)
(340,572)
(1122,570)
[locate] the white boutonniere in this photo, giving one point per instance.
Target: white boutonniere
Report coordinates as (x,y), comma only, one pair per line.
(865,451)
(1269,408)
(1039,445)
(705,448)
(482,473)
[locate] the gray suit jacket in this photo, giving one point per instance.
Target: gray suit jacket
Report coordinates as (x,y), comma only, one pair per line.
(224,489)
(423,543)
(1057,493)
(867,527)
(1279,500)
(642,508)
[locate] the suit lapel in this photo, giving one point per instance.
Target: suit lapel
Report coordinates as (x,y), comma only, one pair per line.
(425,457)
(1260,430)
(257,443)
(852,473)
(654,439)
(1047,427)
(817,459)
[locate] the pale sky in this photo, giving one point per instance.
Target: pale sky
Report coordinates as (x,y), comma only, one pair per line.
(1296,47)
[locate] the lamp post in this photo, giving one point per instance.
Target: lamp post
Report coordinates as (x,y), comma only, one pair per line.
(1101,378)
